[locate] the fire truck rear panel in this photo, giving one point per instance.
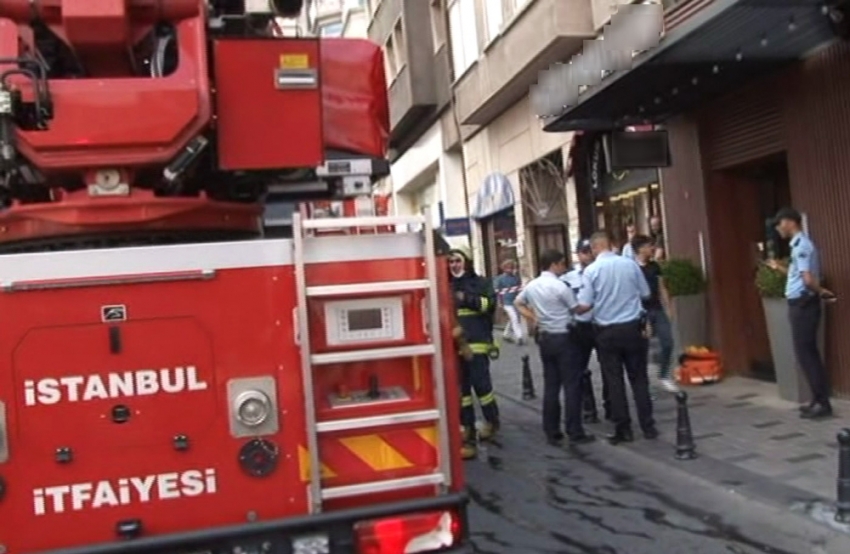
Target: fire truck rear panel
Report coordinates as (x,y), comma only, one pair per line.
(123,369)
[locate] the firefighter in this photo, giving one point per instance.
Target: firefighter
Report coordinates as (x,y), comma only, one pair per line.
(475,305)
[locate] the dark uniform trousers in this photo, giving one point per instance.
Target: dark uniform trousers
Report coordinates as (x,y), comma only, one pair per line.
(475,375)
(621,346)
(584,337)
(560,371)
(805,314)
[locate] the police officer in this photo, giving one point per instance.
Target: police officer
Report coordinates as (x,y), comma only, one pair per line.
(583,335)
(804,293)
(614,287)
(475,304)
(547,303)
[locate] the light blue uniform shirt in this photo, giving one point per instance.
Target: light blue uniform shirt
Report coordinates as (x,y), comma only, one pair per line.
(552,300)
(614,287)
(628,251)
(575,280)
(804,257)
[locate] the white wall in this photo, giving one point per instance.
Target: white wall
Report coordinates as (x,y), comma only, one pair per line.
(426,175)
(451,183)
(355,23)
(424,154)
(512,141)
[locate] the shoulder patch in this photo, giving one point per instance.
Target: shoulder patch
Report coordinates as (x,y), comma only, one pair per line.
(803,255)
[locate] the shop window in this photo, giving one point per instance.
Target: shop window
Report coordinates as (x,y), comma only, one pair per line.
(543,186)
(499,240)
(635,205)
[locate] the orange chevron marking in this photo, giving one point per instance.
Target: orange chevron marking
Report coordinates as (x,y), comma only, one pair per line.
(304,466)
(375,452)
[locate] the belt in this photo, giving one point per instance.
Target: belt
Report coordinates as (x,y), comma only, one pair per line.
(552,334)
(802,299)
(618,325)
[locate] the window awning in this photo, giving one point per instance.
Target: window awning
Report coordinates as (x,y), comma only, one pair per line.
(495,195)
(718,49)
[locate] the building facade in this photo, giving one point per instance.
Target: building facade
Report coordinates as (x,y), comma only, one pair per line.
(337,18)
(426,170)
(754,98)
(521,189)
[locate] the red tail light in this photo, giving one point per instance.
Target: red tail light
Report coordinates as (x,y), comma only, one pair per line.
(409,534)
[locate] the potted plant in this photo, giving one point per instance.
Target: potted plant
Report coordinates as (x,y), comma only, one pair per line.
(771,287)
(686,284)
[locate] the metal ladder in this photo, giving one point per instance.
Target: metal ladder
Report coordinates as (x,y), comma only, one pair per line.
(311,361)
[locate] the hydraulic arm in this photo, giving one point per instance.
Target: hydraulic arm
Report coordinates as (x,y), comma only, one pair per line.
(113,123)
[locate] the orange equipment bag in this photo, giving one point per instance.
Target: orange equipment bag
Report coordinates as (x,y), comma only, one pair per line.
(699,367)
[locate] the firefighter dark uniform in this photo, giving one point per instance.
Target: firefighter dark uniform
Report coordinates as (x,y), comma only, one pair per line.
(475,305)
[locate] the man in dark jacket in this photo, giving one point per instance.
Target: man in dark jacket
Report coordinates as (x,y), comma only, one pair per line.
(475,305)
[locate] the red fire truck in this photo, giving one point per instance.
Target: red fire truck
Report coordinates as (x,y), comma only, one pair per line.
(181,374)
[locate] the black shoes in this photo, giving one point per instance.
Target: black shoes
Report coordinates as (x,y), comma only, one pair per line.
(584,438)
(650,434)
(621,436)
(626,435)
(558,439)
(816,410)
(555,440)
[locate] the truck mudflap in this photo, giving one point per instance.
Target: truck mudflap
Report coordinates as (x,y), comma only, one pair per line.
(337,532)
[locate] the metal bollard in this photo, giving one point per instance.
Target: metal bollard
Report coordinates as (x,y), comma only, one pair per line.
(842,508)
(685,448)
(527,380)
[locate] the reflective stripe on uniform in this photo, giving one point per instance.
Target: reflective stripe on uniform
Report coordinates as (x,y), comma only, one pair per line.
(466,401)
(487,399)
(480,348)
(485,305)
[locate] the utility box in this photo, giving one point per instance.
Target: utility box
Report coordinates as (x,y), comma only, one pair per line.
(268,101)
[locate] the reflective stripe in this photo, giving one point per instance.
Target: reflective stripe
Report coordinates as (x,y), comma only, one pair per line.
(466,401)
(143,260)
(487,399)
(485,305)
(480,348)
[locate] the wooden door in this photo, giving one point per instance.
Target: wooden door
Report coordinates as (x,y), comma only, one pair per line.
(549,237)
(736,228)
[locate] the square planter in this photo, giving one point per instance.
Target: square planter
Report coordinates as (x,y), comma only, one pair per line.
(789,379)
(690,326)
